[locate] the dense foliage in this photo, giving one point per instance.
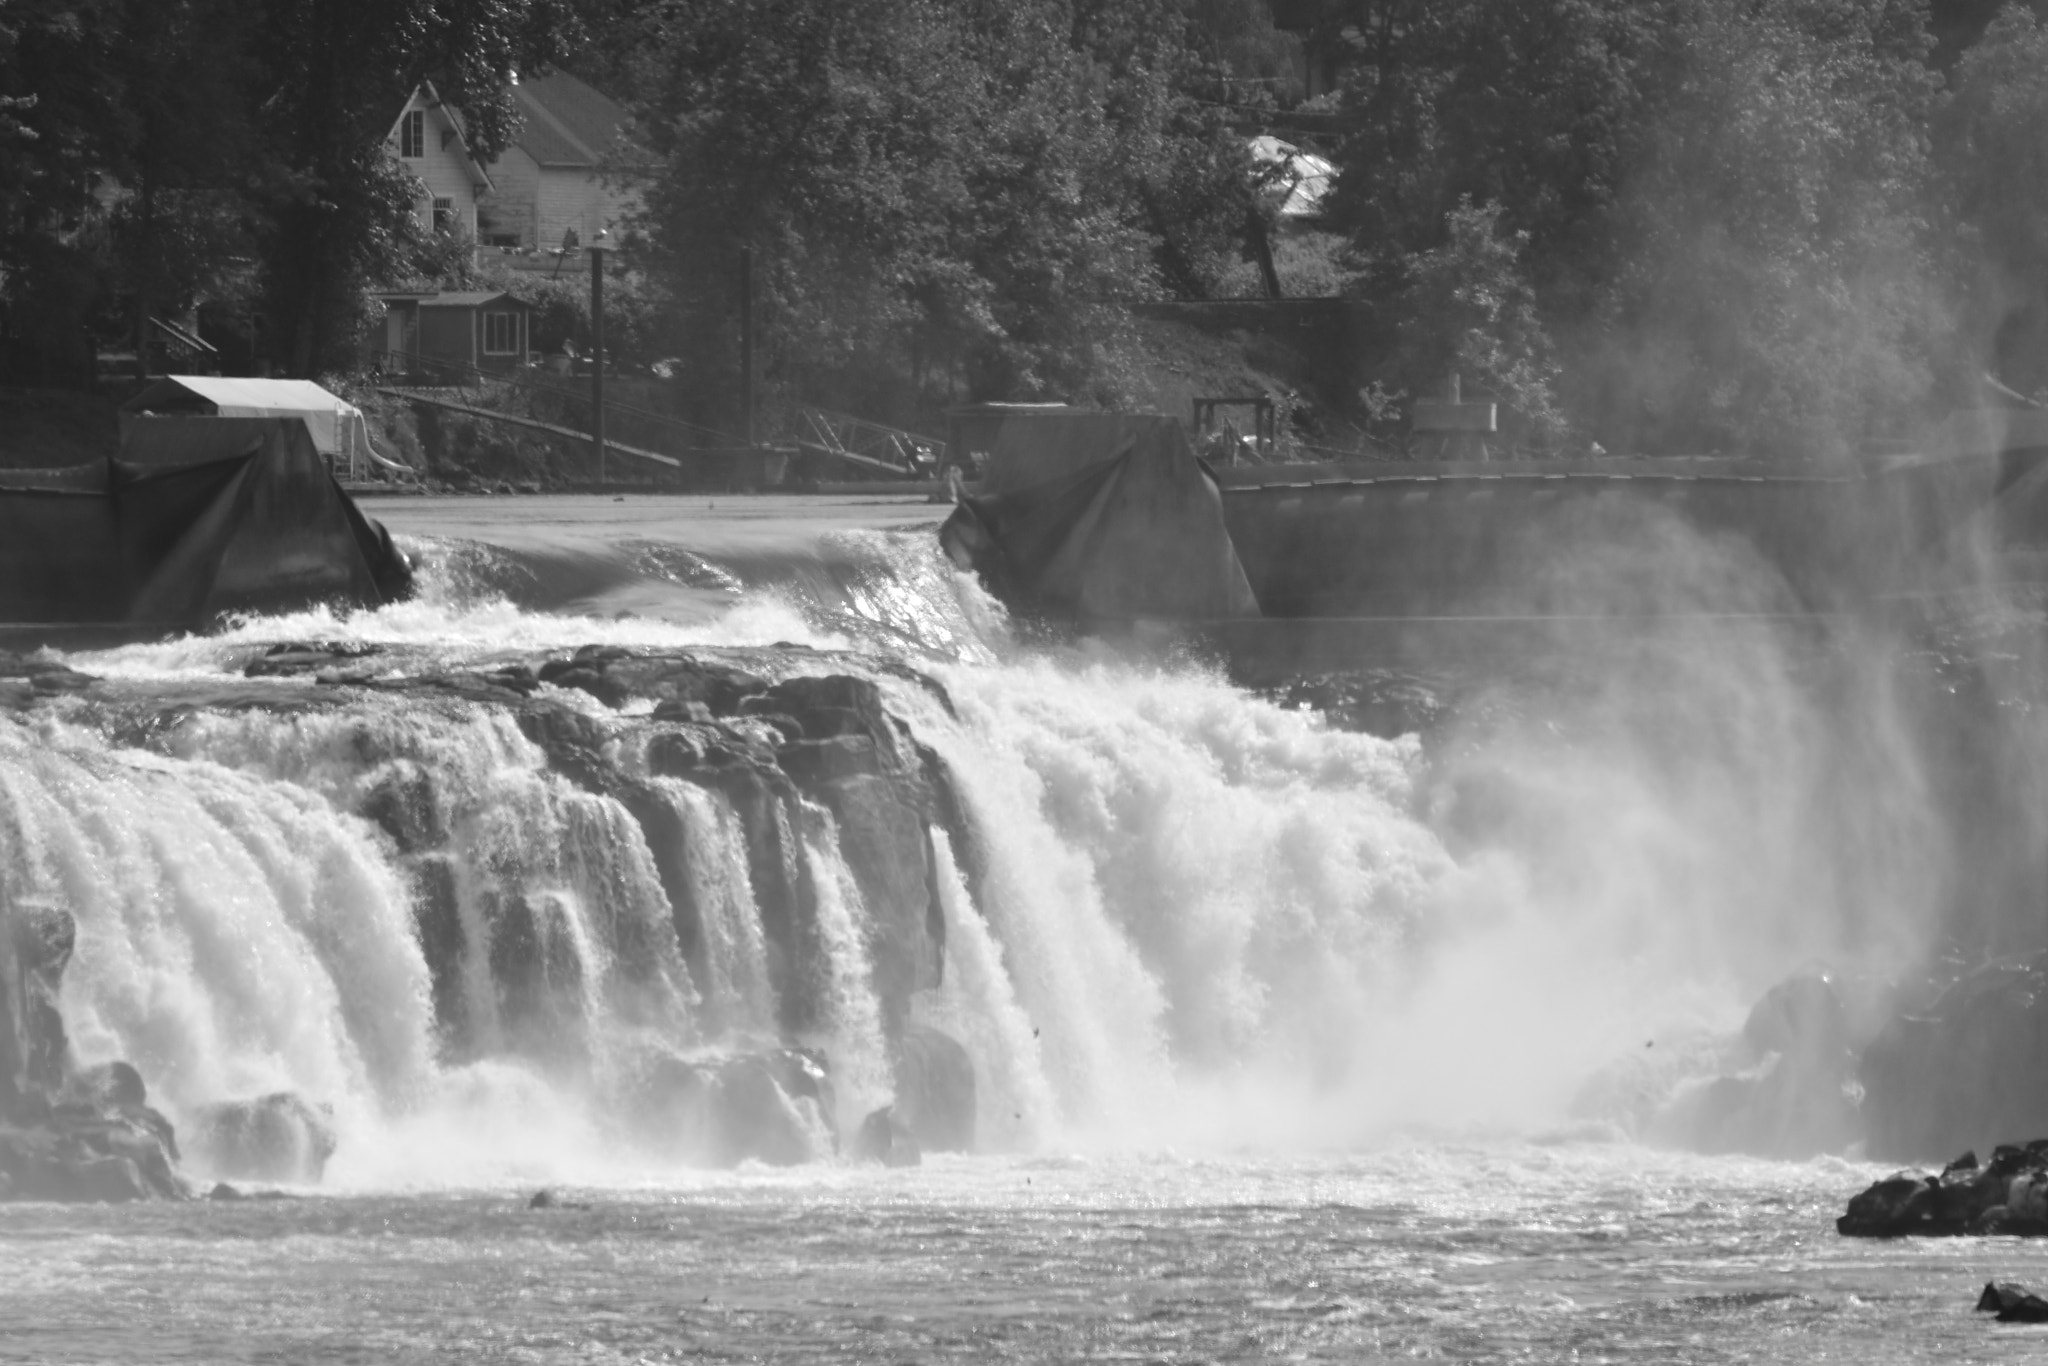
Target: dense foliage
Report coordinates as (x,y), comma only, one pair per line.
(162,150)
(1651,224)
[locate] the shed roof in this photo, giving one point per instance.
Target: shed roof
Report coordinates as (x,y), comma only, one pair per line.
(471,298)
(239,397)
(567,123)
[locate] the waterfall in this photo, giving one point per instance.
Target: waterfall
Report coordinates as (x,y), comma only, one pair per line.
(503,934)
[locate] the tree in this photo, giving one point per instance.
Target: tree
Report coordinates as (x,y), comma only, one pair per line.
(333,75)
(1467,311)
(1724,201)
(934,194)
(1994,139)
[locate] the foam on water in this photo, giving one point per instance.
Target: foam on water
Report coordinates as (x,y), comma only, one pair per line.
(1182,915)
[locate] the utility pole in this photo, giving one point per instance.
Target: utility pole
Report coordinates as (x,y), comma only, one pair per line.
(599,245)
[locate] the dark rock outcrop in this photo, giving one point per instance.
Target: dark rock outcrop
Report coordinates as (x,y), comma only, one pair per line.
(1791,1090)
(775,1106)
(769,748)
(35,945)
(278,1137)
(2008,1194)
(886,1139)
(2012,1303)
(935,1092)
(85,1134)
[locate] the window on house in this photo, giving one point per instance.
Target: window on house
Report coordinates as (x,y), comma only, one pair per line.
(501,334)
(444,215)
(412,134)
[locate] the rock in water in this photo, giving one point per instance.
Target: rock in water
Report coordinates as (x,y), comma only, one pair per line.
(2012,1304)
(935,1089)
(886,1139)
(2009,1195)
(278,1137)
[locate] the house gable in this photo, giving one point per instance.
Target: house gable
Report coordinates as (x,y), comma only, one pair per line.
(427,139)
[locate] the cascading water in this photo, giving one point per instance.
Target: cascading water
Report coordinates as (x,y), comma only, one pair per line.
(1162,910)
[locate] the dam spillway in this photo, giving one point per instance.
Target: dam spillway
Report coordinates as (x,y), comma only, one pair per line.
(651,848)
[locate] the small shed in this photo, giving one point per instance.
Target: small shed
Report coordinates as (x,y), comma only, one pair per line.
(456,333)
(336,425)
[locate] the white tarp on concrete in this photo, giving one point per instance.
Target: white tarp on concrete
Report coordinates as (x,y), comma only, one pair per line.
(336,425)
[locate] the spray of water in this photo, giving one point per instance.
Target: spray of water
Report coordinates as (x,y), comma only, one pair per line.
(1175,913)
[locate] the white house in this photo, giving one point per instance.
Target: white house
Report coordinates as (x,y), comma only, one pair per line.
(548,181)
(546,185)
(427,140)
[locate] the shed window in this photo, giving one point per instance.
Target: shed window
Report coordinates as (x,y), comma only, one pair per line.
(412,134)
(501,334)
(444,215)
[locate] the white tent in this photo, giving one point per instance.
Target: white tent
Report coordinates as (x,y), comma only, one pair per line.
(335,424)
(1299,178)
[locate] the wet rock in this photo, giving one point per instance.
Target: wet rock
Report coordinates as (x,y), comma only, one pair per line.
(616,676)
(886,1139)
(79,1155)
(108,1086)
(2012,1303)
(223,1191)
(538,970)
(2008,1194)
(935,1089)
(278,1137)
(35,678)
(773,1106)
(36,942)
(1791,1089)
(289,659)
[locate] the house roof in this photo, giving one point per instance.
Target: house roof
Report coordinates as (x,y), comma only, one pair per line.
(566,122)
(447,111)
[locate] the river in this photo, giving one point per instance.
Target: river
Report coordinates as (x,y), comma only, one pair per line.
(1334,1017)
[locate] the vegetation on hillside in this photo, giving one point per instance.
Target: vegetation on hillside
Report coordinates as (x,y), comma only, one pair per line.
(1659,225)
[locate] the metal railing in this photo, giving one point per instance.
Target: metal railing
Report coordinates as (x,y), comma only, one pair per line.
(559,399)
(860,442)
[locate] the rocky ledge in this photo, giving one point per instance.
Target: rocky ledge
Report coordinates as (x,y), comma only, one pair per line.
(67,1133)
(2008,1194)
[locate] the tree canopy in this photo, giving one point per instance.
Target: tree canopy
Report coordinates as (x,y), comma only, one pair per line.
(1657,225)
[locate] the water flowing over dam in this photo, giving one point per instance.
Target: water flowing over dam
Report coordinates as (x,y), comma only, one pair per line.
(620,855)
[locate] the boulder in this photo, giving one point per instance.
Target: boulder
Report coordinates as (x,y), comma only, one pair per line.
(935,1095)
(886,1139)
(72,1167)
(2008,1195)
(773,1106)
(278,1137)
(36,942)
(1789,1087)
(2012,1303)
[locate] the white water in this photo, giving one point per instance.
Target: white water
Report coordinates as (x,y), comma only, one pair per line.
(1199,919)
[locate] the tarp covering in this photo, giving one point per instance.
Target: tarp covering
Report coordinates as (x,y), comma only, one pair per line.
(219,515)
(1130,527)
